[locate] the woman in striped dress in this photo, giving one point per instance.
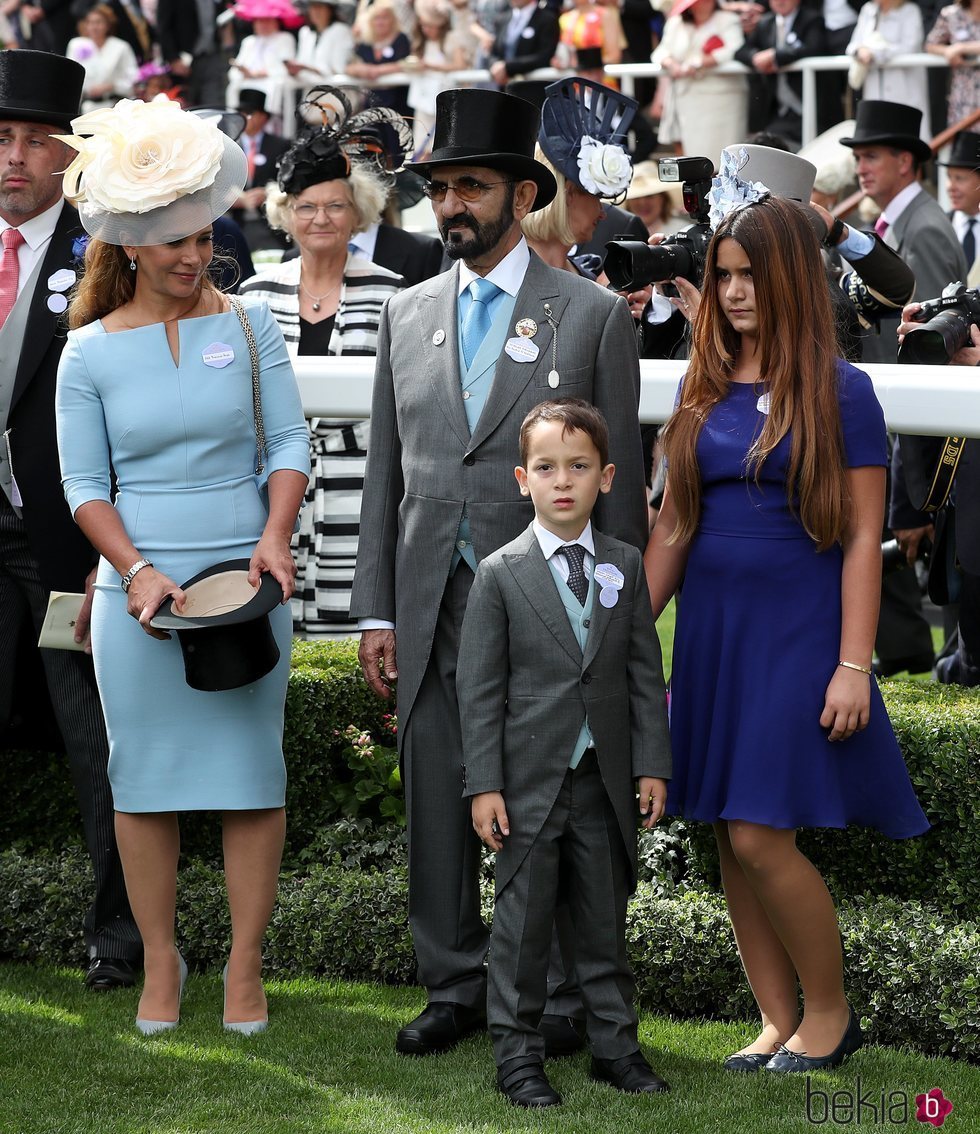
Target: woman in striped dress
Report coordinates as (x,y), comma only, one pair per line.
(327,302)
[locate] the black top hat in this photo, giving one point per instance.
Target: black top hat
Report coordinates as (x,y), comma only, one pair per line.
(36,86)
(889,124)
(531,90)
(224,633)
(251,101)
(492,129)
(965,153)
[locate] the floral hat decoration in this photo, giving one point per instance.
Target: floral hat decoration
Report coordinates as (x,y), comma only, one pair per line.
(377,137)
(583,134)
(751,173)
(150,172)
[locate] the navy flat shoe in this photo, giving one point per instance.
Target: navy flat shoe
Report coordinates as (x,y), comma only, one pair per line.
(787,1061)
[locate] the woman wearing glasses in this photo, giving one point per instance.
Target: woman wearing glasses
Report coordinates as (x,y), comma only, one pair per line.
(328,301)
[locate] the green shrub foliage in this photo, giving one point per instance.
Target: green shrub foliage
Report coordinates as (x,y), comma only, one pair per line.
(911,971)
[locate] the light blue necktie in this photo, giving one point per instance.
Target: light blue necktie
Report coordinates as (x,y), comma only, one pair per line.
(476,321)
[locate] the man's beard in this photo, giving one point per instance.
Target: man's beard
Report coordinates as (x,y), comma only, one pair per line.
(485,236)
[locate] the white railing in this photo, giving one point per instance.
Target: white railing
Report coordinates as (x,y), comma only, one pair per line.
(628,72)
(933,400)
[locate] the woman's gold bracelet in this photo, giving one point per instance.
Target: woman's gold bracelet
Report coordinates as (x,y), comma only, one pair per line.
(860,668)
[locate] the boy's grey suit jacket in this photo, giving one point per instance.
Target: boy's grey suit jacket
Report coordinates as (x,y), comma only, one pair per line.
(423,463)
(524,686)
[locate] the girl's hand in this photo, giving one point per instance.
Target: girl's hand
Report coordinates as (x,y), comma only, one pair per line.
(272,555)
(146,592)
(847,706)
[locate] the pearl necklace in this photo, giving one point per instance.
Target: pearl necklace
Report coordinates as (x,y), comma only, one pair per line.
(318,299)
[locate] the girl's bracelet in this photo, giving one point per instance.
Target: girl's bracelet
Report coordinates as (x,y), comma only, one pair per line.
(859,668)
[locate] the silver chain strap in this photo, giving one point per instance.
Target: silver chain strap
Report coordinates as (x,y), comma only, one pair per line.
(253,353)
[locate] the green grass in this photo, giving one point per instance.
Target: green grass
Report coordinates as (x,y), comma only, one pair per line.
(71,1062)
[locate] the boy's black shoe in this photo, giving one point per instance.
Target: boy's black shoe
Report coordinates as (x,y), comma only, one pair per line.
(631,1074)
(523,1081)
(104,974)
(562,1035)
(440,1027)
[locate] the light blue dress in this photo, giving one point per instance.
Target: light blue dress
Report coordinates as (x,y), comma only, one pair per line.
(180,440)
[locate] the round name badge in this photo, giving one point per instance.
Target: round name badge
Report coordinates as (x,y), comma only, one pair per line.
(260,159)
(609,596)
(521,350)
(57,303)
(61,280)
(763,404)
(526,328)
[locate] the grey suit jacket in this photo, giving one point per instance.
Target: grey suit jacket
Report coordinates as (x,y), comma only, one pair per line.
(926,241)
(423,465)
(524,685)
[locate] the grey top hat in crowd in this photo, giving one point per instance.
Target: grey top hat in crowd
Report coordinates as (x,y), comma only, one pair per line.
(965,153)
(36,86)
(783,174)
(224,631)
(889,124)
(492,129)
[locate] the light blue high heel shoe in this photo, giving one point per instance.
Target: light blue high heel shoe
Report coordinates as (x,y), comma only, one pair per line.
(243,1027)
(155,1027)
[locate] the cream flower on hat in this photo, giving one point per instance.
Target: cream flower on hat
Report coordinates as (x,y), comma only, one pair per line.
(604,168)
(137,156)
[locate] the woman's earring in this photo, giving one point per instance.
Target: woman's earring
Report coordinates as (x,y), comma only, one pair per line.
(132,264)
(289,238)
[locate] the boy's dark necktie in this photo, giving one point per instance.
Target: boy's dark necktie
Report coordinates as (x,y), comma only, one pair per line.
(575,558)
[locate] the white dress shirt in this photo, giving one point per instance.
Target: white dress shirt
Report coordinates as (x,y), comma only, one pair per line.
(550,544)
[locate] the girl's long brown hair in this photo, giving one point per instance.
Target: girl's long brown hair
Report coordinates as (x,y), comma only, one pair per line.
(797,348)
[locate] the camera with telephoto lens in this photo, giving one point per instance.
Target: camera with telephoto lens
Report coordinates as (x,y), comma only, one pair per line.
(631,264)
(893,558)
(945,329)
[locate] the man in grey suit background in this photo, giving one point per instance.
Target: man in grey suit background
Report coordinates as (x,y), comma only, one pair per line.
(461,359)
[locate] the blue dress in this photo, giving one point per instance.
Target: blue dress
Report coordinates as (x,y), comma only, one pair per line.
(757,641)
(180,440)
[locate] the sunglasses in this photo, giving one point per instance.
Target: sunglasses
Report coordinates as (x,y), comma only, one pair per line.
(466,188)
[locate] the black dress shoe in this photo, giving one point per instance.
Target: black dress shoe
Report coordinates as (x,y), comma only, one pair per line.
(798,1061)
(631,1074)
(108,973)
(562,1035)
(917,663)
(440,1027)
(524,1082)
(747,1061)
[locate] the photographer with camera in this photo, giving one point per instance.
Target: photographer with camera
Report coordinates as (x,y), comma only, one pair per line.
(936,482)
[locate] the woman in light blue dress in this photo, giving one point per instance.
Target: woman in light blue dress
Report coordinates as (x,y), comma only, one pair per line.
(154,389)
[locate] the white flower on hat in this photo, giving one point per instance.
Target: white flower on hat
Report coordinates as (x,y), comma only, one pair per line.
(604,169)
(137,156)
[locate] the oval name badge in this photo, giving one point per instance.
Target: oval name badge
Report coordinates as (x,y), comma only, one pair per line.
(609,596)
(218,355)
(260,159)
(609,575)
(61,280)
(521,350)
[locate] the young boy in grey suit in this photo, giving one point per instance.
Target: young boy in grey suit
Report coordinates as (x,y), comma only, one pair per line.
(561,695)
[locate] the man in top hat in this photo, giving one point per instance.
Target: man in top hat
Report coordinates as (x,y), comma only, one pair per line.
(41,549)
(963,187)
(263,151)
(890,154)
(461,360)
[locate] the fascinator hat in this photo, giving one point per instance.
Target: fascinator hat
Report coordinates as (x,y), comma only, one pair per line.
(150,172)
(377,137)
(752,173)
(583,134)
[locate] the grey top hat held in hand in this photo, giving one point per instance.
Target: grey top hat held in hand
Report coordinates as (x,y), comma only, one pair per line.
(490,129)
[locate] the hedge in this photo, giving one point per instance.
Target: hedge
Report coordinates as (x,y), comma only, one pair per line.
(938,728)
(911,972)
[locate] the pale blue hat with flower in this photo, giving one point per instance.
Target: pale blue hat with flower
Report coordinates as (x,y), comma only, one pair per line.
(583,134)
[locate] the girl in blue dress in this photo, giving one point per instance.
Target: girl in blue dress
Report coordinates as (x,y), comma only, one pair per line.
(772,520)
(158,448)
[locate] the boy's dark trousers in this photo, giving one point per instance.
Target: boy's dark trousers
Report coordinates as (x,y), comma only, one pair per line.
(579,857)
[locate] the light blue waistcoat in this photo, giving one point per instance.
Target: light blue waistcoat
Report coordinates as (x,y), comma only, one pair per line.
(579,617)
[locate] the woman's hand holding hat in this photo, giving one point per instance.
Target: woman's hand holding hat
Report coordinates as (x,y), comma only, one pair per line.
(146,592)
(272,555)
